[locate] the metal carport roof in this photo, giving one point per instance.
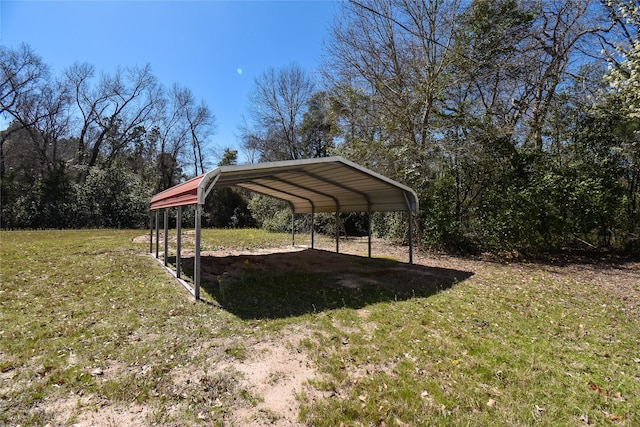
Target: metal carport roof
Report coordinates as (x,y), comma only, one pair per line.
(328,184)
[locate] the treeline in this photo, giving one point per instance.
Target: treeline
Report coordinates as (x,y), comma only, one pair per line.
(83,149)
(517,122)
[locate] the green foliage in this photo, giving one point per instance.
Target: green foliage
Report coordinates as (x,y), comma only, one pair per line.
(24,209)
(42,203)
(440,224)
(490,121)
(85,152)
(275,216)
(271,214)
(56,202)
(229,157)
(227,207)
(354,223)
(389,224)
(112,198)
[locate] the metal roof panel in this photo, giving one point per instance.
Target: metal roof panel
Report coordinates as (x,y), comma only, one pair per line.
(324,184)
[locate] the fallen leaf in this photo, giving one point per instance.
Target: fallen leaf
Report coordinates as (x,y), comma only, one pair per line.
(599,389)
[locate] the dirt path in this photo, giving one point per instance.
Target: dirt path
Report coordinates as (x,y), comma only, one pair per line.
(275,372)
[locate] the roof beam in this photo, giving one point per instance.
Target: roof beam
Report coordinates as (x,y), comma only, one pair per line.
(280,191)
(364,195)
(312,190)
(386,181)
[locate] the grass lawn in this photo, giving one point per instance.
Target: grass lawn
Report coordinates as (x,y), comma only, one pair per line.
(94,332)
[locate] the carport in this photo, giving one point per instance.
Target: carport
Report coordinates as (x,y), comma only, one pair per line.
(309,186)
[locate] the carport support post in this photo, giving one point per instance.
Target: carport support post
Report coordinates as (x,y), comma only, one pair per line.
(337,231)
(293,230)
(166,235)
(410,236)
(196,262)
(178,240)
(369,230)
(312,227)
(157,232)
(410,207)
(150,232)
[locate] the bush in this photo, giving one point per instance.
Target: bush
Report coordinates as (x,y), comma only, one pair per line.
(112,198)
(269,213)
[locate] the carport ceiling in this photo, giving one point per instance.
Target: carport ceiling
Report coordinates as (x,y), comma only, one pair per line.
(328,184)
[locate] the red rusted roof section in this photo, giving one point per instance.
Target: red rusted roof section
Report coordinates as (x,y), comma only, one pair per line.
(181,195)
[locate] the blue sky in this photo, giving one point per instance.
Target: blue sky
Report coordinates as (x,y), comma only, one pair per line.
(215,48)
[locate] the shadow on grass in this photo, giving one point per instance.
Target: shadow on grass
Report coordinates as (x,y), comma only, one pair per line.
(289,284)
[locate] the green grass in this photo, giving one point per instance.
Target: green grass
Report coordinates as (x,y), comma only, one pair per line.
(76,301)
(517,351)
(247,238)
(87,318)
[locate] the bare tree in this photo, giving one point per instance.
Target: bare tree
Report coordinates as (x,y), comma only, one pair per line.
(200,122)
(34,103)
(562,31)
(278,101)
(180,133)
(22,72)
(397,51)
(170,136)
(113,114)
